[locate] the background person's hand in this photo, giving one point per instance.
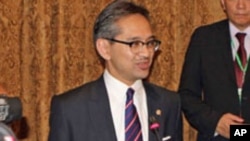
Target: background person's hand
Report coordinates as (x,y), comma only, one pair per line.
(223,126)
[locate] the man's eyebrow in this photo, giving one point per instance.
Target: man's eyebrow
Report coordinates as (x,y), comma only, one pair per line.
(139,38)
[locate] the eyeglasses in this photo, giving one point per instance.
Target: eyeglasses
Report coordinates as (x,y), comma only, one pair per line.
(136,46)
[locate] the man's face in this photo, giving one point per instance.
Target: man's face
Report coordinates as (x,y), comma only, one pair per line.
(123,63)
(238,12)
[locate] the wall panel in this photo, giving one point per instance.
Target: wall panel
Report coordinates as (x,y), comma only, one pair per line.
(46,48)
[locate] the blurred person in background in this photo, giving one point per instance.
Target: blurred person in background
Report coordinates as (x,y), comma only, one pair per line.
(215,81)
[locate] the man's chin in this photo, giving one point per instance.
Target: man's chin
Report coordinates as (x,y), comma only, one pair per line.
(143,74)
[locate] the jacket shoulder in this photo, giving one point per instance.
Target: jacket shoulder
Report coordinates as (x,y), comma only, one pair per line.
(163,92)
(82,92)
(223,24)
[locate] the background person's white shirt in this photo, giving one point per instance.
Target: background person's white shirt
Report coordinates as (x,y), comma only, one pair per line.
(235,42)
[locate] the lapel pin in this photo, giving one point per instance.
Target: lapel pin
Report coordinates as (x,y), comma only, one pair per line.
(158,112)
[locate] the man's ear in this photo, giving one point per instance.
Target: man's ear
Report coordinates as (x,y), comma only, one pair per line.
(223,4)
(103,48)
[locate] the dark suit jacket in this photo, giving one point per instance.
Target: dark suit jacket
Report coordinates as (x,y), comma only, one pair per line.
(208,74)
(84,114)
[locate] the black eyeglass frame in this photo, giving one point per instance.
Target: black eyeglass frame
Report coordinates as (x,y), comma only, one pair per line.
(130,44)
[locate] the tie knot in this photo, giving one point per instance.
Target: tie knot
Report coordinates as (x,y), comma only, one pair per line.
(130,93)
(240,37)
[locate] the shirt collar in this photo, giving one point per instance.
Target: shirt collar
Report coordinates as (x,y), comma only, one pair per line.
(115,83)
(234,30)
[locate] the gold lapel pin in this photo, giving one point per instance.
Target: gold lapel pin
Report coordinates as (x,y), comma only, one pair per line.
(158,112)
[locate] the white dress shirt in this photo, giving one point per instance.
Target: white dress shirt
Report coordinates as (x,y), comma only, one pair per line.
(235,42)
(117,99)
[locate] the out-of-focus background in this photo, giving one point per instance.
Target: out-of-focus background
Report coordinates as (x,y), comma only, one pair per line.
(46,48)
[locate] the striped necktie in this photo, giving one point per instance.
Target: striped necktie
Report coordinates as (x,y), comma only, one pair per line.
(132,122)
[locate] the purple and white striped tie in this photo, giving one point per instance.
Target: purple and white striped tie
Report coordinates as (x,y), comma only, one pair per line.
(132,122)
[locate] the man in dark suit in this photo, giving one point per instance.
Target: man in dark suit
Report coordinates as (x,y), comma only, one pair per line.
(212,97)
(96,111)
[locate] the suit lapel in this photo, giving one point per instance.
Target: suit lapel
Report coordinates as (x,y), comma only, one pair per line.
(247,77)
(153,106)
(100,112)
(224,42)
